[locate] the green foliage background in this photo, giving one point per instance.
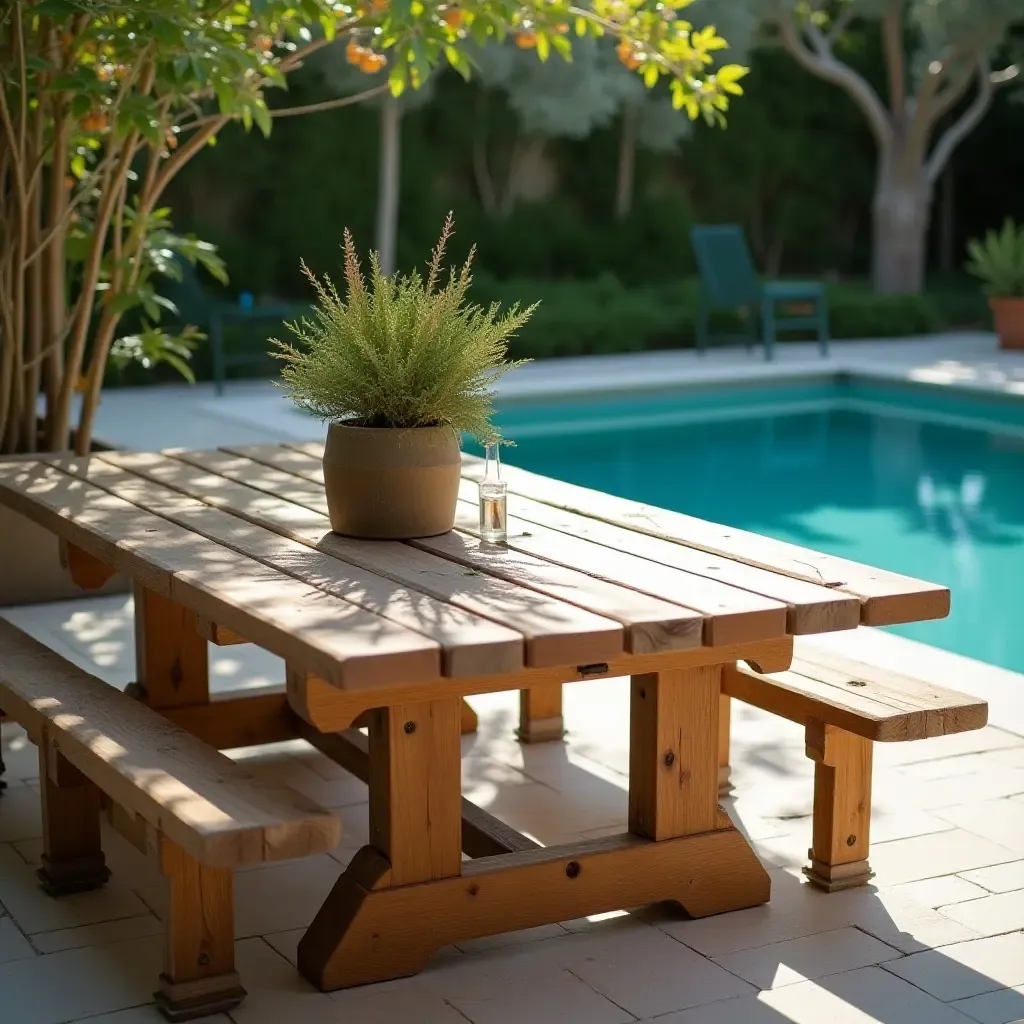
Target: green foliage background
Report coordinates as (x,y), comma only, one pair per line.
(795,167)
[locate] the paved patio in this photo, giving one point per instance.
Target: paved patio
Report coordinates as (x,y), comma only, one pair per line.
(938,939)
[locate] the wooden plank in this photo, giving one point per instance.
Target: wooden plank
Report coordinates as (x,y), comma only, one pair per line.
(650,624)
(332,709)
(730,616)
(205,503)
(556,633)
(337,640)
(171,657)
(213,808)
(886,597)
(673,752)
(415,790)
(811,608)
(801,699)
(363,934)
(842,807)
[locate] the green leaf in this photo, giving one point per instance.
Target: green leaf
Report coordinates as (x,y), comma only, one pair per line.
(457,59)
(543,46)
(651,73)
(78,166)
(262,117)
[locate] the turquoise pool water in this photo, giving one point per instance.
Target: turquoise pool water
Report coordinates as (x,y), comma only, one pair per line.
(920,480)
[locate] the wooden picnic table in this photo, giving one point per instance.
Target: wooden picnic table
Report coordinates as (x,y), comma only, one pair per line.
(234,545)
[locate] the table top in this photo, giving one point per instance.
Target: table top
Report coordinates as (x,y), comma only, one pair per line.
(241,535)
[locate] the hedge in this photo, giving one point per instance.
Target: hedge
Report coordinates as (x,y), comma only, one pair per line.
(601,315)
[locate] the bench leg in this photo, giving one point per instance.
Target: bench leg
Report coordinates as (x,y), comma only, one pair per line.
(3,767)
(171,655)
(540,714)
(725,787)
(199,970)
(842,807)
(72,855)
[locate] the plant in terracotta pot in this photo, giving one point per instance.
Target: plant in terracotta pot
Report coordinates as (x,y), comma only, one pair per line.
(400,367)
(998,259)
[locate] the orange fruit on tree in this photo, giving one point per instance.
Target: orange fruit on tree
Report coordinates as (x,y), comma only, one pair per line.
(372,62)
(452,17)
(354,52)
(379,5)
(526,40)
(627,56)
(263,43)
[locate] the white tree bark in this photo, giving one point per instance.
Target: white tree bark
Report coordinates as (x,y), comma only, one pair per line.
(389,182)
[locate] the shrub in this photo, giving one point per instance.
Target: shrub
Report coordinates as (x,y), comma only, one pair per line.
(403,352)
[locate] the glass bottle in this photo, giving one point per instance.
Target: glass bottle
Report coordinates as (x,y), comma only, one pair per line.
(493,500)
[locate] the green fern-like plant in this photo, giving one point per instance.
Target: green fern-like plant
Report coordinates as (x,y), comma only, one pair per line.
(998,260)
(400,351)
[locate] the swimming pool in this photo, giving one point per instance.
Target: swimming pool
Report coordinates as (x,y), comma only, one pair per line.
(921,480)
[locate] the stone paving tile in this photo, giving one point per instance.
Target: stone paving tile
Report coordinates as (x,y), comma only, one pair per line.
(1001,878)
(13,944)
(966,968)
(939,892)
(1003,1007)
(282,896)
(22,818)
(991,915)
(1002,821)
(807,958)
(867,996)
(80,983)
(97,934)
(909,860)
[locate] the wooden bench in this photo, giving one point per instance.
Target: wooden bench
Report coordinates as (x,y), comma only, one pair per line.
(198,812)
(845,706)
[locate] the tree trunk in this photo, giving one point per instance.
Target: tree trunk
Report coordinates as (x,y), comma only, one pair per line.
(627,164)
(390,171)
(901,213)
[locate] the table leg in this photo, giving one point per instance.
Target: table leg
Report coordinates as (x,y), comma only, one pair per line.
(416,838)
(725,787)
(171,656)
(673,781)
(540,714)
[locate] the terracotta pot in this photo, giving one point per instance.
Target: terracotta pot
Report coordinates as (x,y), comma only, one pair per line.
(1009,317)
(30,565)
(386,483)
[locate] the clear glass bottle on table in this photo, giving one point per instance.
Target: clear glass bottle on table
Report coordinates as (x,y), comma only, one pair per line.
(493,500)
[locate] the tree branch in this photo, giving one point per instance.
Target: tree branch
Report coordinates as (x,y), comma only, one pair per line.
(821,62)
(895,56)
(342,101)
(963,125)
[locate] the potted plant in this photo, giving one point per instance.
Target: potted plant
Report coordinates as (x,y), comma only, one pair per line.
(399,367)
(998,259)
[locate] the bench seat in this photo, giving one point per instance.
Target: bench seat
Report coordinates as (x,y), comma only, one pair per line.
(845,706)
(200,813)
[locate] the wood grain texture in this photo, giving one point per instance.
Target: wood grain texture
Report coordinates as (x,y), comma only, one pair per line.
(730,615)
(216,634)
(673,752)
(415,789)
(171,656)
(885,597)
(650,624)
(540,714)
(811,608)
(214,808)
(842,806)
(437,591)
(288,537)
(363,935)
(332,709)
(245,718)
(85,571)
(281,614)
(871,702)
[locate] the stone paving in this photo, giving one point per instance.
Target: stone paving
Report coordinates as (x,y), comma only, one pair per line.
(938,939)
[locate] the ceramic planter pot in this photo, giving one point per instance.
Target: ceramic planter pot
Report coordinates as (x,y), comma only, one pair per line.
(386,483)
(1009,318)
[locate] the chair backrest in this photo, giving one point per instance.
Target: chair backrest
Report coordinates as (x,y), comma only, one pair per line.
(195,306)
(726,270)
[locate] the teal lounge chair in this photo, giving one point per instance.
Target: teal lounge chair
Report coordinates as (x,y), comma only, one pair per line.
(728,281)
